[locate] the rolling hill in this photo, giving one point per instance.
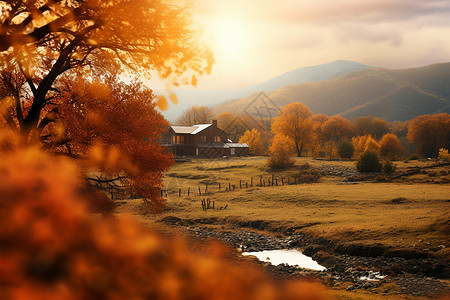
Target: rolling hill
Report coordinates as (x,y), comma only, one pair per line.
(187,98)
(394,95)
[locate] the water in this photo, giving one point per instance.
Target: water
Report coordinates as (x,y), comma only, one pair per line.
(289,257)
(372,276)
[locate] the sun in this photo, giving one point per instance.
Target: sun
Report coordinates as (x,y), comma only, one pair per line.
(230,36)
(227,36)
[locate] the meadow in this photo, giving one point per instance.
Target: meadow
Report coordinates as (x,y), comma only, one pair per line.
(409,212)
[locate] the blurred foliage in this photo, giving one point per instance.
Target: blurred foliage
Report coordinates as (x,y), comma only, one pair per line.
(53,248)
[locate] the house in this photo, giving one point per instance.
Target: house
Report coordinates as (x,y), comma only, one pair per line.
(203,140)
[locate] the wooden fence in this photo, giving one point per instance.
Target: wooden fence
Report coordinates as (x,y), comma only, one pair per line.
(259,181)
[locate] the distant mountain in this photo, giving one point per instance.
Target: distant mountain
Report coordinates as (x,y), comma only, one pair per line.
(187,98)
(394,95)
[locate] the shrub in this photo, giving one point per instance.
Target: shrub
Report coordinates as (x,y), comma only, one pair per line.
(444,155)
(368,162)
(388,167)
(390,147)
(281,153)
(346,149)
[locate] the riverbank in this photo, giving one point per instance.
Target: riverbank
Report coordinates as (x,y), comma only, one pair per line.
(379,275)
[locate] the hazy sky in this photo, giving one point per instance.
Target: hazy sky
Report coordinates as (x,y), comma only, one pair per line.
(255,40)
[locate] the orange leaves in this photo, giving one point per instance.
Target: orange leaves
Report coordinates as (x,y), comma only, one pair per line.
(162,103)
(109,159)
(336,128)
(364,143)
(295,122)
(281,152)
(253,140)
(390,147)
(52,247)
(173,97)
(430,133)
(98,90)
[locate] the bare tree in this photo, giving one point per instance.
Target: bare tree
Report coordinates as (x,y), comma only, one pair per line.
(196,115)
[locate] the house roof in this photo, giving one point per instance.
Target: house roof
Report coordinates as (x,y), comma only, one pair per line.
(220,145)
(183,129)
(236,145)
(190,129)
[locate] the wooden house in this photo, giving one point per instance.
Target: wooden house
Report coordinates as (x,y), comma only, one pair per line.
(203,140)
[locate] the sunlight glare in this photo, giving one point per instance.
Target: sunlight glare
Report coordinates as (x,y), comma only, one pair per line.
(229,37)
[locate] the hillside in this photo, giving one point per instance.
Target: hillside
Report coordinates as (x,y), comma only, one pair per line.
(187,98)
(394,95)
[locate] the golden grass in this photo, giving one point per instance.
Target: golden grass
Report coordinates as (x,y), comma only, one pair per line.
(365,212)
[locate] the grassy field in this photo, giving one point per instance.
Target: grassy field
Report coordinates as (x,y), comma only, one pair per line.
(406,213)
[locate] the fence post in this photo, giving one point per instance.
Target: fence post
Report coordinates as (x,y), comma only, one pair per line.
(276,181)
(260,181)
(273,178)
(251,181)
(179,192)
(229,186)
(240,184)
(203,204)
(219,186)
(199,191)
(189,190)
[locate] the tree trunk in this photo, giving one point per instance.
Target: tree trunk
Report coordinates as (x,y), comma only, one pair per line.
(299,150)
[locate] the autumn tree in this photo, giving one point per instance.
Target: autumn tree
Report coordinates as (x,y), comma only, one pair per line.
(371,126)
(281,152)
(46,44)
(430,132)
(233,125)
(253,139)
(337,128)
(295,123)
(332,132)
(390,147)
(196,115)
(364,143)
(315,146)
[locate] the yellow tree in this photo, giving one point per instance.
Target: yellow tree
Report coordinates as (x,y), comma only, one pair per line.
(390,147)
(295,123)
(363,143)
(281,152)
(231,124)
(253,139)
(315,145)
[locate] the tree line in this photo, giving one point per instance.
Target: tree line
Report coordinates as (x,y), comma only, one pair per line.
(298,131)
